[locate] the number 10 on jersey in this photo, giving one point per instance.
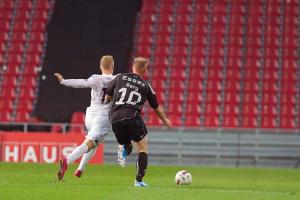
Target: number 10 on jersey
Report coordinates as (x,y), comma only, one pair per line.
(130,98)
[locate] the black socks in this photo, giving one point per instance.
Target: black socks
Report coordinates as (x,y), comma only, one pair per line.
(141,165)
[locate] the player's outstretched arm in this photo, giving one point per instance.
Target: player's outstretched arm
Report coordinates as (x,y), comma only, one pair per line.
(161,114)
(77,83)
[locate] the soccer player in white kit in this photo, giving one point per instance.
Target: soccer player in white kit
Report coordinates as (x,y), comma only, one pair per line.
(97,118)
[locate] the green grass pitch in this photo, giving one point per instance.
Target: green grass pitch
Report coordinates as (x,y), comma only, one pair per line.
(38,181)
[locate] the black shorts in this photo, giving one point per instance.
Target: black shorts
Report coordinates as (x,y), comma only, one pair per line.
(129,129)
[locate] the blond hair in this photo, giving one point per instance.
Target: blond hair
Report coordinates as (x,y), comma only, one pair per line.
(107,62)
(140,62)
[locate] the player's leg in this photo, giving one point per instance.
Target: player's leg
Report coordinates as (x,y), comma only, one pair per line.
(124,151)
(85,147)
(142,161)
(120,131)
(138,133)
(99,128)
(84,161)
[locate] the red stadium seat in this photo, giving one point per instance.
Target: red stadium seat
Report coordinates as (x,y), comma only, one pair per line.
(28,82)
(19,37)
(40,15)
(8,93)
(77,122)
(35,48)
(5,116)
(9,82)
(7,4)
(30,70)
(16,48)
(193,108)
(24,106)
(23,15)
(38,26)
(176,85)
(176,120)
(22,117)
(78,117)
(14,59)
(4,26)
(5,14)
(287,122)
(174,109)
(56,128)
(27,93)
(268,122)
(25,5)
(33,59)
(3,38)
(193,120)
(153,120)
(5,105)
(211,121)
(21,26)
(43,5)
(37,37)
(230,121)
(249,122)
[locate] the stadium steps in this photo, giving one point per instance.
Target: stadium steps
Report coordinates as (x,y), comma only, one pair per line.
(239,59)
(261,60)
(208,39)
(227,16)
(191,15)
(280,37)
(297,96)
(170,83)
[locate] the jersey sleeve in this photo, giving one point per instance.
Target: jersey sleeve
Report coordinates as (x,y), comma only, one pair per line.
(81,83)
(151,97)
(111,86)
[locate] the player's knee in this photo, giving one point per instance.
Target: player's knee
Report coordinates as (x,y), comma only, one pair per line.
(90,145)
(142,147)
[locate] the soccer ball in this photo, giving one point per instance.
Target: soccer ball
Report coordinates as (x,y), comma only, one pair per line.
(183,177)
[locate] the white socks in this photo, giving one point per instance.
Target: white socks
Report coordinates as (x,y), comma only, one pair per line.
(77,153)
(86,158)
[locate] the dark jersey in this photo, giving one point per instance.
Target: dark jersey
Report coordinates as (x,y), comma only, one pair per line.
(129,93)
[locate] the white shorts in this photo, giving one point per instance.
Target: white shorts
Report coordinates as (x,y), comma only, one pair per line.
(98,126)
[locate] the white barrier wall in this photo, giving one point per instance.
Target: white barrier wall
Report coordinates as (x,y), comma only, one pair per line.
(236,148)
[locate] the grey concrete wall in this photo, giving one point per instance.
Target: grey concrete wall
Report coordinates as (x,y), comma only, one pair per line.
(213,147)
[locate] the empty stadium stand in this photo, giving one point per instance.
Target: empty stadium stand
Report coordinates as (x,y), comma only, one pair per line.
(223,63)
(22,45)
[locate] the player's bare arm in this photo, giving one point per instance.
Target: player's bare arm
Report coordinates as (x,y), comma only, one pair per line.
(160,113)
(59,77)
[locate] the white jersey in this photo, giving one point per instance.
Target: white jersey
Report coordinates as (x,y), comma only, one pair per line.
(98,84)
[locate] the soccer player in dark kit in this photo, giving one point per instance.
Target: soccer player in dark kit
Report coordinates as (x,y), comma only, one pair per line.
(129,92)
